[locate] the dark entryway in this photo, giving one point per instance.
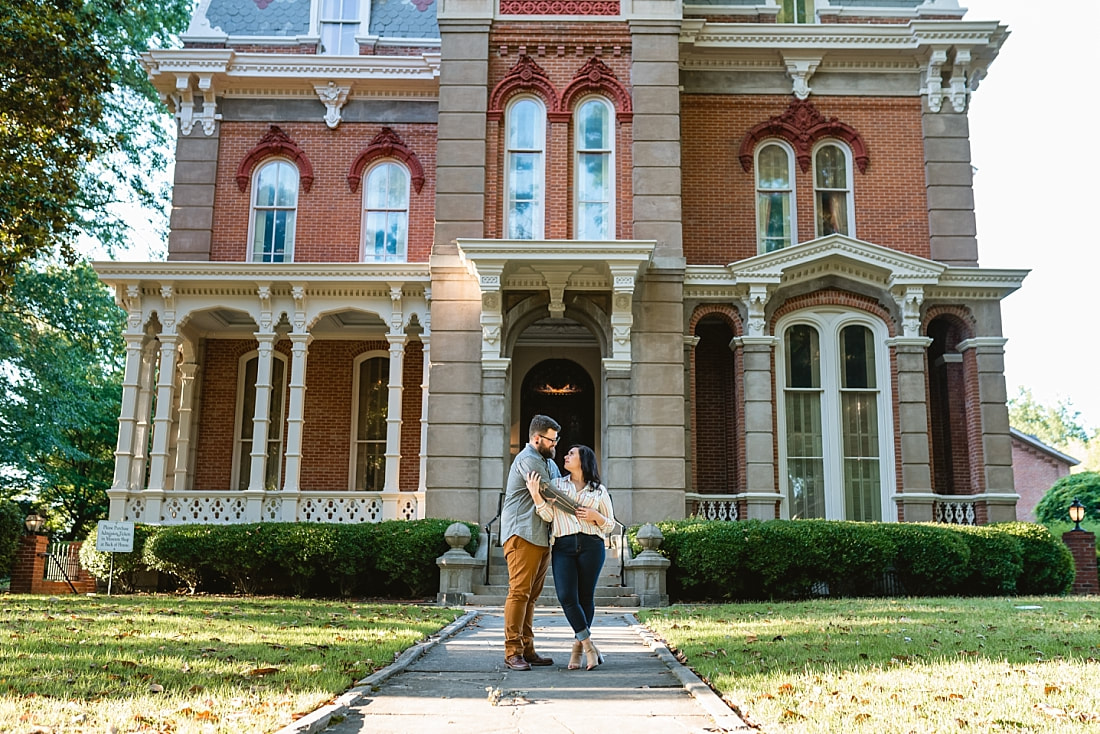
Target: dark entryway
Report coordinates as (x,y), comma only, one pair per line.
(561,389)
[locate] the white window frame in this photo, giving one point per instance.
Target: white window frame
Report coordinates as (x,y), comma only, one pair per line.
(608,151)
(761,244)
(829,324)
(403,249)
(539,216)
(353,431)
(362,22)
(849,192)
(254,208)
(239,418)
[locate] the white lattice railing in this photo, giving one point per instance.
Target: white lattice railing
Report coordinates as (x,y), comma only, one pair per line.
(954,512)
(227,508)
(712,506)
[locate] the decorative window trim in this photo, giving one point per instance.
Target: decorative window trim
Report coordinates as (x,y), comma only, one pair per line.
(275,143)
(525,77)
(596,78)
(353,429)
(386,144)
(802,125)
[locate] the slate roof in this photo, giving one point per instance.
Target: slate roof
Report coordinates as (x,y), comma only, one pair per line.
(259,17)
(403,19)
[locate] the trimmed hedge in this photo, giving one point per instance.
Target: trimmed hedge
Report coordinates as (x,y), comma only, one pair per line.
(127,565)
(394,558)
(713,560)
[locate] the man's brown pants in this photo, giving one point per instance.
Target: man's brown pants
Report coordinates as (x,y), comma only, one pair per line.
(527,567)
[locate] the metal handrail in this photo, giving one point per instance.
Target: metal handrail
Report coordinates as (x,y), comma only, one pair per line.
(489,536)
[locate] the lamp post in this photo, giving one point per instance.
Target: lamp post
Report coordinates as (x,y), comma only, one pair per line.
(34,523)
(1077,514)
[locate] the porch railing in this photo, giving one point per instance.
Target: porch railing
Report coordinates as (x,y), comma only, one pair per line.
(711,506)
(232,507)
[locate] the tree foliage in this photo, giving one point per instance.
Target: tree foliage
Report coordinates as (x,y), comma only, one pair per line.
(61,365)
(78,121)
(1054,506)
(1058,426)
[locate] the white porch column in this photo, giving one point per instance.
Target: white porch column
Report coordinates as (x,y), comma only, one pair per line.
(182,479)
(141,420)
(162,425)
(127,425)
(260,425)
(424,392)
(295,424)
(393,413)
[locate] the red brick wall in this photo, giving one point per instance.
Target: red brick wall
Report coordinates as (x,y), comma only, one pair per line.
(1035,472)
(329,214)
(1082,545)
(715,410)
(560,50)
(215,444)
(719,201)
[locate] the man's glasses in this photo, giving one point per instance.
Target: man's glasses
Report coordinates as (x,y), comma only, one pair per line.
(551,440)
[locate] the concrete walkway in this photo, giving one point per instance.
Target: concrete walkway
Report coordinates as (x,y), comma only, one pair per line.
(458,682)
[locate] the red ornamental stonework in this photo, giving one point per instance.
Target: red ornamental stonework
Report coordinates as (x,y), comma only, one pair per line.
(559,7)
(802,126)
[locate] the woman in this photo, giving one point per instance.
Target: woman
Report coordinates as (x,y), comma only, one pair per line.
(578,544)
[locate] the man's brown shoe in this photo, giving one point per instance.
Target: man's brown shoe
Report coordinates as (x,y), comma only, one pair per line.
(535,659)
(516,662)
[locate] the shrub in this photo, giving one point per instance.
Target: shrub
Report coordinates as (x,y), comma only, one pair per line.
(930,558)
(127,565)
(996,561)
(1054,506)
(1047,562)
(11,528)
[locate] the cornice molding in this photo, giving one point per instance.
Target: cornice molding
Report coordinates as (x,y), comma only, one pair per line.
(116,273)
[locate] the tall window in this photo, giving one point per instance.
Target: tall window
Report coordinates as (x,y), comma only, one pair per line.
(386,213)
(274,211)
(524,169)
(594,184)
(832,190)
(833,418)
(372,386)
(796,11)
(774,197)
(246,401)
(339,22)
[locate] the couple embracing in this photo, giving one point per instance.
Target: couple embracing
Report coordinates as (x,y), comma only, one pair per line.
(571,513)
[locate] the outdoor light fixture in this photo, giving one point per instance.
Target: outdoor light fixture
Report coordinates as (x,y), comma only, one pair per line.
(34,523)
(1076,513)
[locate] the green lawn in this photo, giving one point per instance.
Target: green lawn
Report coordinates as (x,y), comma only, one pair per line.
(1023,664)
(190,664)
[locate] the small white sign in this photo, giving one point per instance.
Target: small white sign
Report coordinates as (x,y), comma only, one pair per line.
(114,537)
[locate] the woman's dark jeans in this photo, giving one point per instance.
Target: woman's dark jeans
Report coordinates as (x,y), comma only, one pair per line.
(577,561)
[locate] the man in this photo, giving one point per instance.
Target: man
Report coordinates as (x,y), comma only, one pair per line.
(526,543)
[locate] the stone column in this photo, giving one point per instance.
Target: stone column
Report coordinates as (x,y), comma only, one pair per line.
(141,423)
(425,340)
(193,194)
(393,412)
(1000,486)
(162,426)
(127,426)
(260,424)
(188,372)
(452,475)
(760,439)
(950,186)
(915,492)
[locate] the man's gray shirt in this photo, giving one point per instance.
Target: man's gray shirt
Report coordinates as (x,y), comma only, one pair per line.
(518,516)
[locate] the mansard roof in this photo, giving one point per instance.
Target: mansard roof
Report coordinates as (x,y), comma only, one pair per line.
(291,19)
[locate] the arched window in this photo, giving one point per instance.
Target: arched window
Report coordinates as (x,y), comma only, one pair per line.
(835,453)
(524,169)
(246,410)
(386,213)
(833,190)
(594,171)
(775,216)
(368,432)
(274,212)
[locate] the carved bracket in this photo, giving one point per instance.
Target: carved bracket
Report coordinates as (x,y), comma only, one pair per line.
(755,303)
(800,71)
(910,303)
(333,98)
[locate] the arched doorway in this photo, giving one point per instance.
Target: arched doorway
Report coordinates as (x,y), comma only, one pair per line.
(563,390)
